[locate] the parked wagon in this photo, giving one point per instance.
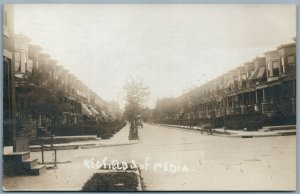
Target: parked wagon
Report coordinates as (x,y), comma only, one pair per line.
(207,127)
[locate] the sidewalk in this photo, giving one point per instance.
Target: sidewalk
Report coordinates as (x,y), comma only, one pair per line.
(239,133)
(73,166)
(120,138)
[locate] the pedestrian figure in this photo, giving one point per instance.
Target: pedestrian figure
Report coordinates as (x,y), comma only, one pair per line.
(136,131)
(138,120)
(133,133)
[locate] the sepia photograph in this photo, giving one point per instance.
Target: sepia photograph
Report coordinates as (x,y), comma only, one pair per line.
(149,97)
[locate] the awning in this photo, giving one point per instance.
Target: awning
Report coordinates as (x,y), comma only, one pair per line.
(85,110)
(103,114)
(258,73)
(71,98)
(93,110)
(253,75)
(261,72)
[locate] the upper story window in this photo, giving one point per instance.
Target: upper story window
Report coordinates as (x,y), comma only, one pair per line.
(17,61)
(273,68)
(291,60)
(291,63)
(276,66)
(250,72)
(23,62)
(242,81)
(17,56)
(30,65)
(244,76)
(17,66)
(270,72)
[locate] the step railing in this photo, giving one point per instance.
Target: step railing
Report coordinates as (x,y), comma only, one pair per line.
(52,148)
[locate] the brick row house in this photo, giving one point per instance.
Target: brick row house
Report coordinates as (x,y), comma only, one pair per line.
(9,107)
(40,98)
(257,93)
(14,158)
(35,71)
(34,83)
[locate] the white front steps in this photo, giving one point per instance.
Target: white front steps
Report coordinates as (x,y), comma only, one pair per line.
(20,163)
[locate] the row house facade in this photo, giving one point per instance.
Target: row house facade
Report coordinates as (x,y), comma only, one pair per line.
(34,71)
(9,107)
(259,92)
(27,74)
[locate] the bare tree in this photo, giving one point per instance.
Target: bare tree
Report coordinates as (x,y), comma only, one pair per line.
(136,95)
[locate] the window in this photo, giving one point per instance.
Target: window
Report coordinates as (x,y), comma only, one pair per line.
(23,67)
(29,65)
(275,64)
(23,58)
(270,70)
(291,60)
(17,66)
(291,63)
(17,56)
(276,67)
(244,77)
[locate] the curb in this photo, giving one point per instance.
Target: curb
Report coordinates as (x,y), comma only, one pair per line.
(289,133)
(267,135)
(108,145)
(37,148)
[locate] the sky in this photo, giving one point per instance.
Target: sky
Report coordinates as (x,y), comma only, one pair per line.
(172,47)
